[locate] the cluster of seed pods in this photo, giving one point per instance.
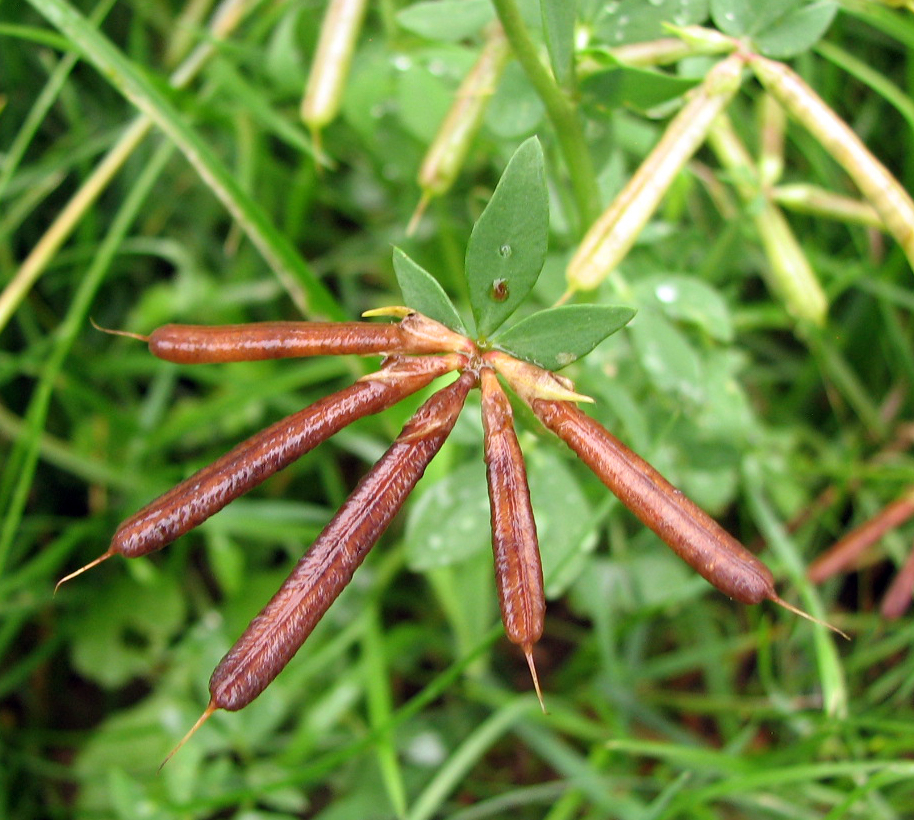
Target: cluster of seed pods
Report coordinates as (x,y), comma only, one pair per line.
(417,350)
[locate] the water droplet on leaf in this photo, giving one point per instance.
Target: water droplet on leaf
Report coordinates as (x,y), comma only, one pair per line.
(505,251)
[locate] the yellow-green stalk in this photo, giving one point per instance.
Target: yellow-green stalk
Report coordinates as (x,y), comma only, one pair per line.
(688,42)
(811,199)
(448,150)
(790,275)
(330,67)
(613,234)
(874,180)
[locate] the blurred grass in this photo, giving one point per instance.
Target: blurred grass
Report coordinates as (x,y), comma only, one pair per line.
(665,699)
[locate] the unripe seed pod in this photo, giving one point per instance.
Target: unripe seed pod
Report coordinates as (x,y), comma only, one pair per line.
(449,149)
(613,234)
(811,199)
(771,156)
(878,185)
(791,275)
(330,67)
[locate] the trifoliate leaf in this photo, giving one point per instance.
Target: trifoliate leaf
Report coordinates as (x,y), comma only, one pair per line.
(667,357)
(459,498)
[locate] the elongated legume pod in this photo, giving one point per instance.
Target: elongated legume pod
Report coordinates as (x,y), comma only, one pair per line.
(518,569)
(790,274)
(846,550)
(449,148)
(897,598)
(209,344)
(880,187)
(277,633)
(330,67)
(206,492)
(613,234)
(692,534)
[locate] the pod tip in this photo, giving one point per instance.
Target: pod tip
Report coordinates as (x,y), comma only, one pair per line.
(111,332)
(796,611)
(528,653)
(103,557)
(418,213)
(211,707)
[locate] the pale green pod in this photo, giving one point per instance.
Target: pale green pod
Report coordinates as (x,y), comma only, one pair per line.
(330,67)
(773,121)
(613,234)
(449,148)
(874,180)
(816,201)
(790,274)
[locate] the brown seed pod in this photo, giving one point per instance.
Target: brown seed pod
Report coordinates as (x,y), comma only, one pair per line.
(277,633)
(518,570)
(695,537)
(686,528)
(897,598)
(202,344)
(845,551)
(206,492)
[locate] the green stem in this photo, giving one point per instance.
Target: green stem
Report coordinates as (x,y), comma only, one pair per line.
(560,109)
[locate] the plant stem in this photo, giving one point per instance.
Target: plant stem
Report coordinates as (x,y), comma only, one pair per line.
(561,110)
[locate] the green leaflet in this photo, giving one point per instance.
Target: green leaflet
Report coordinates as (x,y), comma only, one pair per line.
(779,28)
(631,21)
(688,299)
(422,292)
(557,337)
(449,20)
(558,29)
(637,88)
(508,244)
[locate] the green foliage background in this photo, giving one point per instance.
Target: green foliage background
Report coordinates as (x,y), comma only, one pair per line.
(666,700)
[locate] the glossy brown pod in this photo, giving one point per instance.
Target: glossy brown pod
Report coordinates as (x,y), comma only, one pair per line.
(206,492)
(276,634)
(695,537)
(518,569)
(208,344)
(845,552)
